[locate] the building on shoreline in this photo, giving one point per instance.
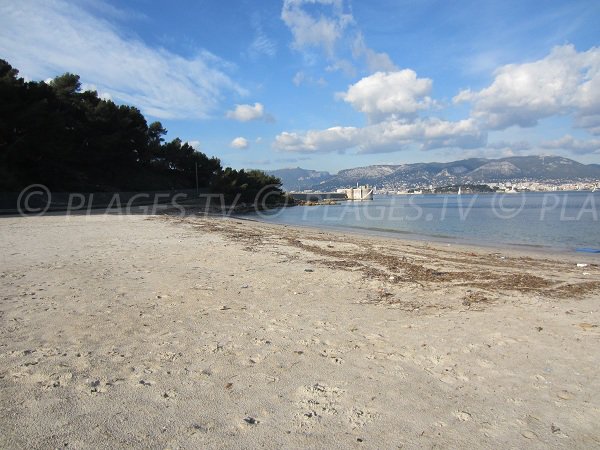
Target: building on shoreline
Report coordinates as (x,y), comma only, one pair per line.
(358,193)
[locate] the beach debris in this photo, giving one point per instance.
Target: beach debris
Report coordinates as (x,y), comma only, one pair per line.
(586,325)
(474,297)
(251,420)
(245,286)
(554,428)
(228,385)
(581,265)
(308,270)
(539,328)
(224,308)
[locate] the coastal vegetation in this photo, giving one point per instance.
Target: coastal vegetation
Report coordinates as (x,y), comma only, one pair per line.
(54,133)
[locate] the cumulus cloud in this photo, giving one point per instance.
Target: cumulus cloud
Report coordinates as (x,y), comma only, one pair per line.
(47,38)
(564,82)
(240,143)
(388,136)
(246,113)
(391,102)
(577,146)
(389,94)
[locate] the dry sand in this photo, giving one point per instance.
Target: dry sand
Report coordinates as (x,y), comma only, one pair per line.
(161,332)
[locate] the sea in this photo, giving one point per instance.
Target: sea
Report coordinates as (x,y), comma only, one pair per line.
(566,221)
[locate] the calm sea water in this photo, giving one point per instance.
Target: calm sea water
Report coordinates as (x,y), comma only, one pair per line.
(566,220)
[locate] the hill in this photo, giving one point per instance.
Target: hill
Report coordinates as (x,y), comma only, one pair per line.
(468,171)
(297,179)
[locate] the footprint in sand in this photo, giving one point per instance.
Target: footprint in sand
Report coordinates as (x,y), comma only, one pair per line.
(317,401)
(332,356)
(359,417)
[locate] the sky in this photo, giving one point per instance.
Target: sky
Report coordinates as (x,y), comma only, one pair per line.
(331,84)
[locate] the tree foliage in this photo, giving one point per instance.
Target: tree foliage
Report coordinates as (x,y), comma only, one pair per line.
(55,134)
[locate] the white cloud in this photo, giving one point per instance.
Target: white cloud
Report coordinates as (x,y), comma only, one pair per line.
(301,78)
(564,82)
(261,44)
(318,141)
(328,26)
(388,136)
(375,61)
(391,101)
(590,123)
(246,113)
(573,145)
(240,143)
(385,94)
(321,31)
(49,37)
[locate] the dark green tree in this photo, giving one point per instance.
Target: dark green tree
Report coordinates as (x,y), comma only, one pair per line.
(56,135)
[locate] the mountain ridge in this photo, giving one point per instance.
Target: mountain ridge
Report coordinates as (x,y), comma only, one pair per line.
(552,169)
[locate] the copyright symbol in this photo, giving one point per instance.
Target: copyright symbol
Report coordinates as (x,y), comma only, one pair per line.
(34,200)
(260,201)
(504,209)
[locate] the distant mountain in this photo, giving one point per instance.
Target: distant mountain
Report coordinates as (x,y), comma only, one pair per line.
(297,179)
(474,170)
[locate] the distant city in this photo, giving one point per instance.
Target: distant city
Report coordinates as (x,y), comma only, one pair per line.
(514,174)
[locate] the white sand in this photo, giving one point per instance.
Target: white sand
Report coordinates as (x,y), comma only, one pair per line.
(161,333)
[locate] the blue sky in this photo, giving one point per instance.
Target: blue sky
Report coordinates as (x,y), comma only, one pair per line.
(332,84)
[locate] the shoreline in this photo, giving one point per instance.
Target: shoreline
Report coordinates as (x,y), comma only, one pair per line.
(432,228)
(408,237)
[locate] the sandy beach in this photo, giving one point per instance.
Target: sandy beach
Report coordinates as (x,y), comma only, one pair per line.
(167,332)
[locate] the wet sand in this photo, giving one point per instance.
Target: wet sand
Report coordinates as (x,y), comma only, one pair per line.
(166,332)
